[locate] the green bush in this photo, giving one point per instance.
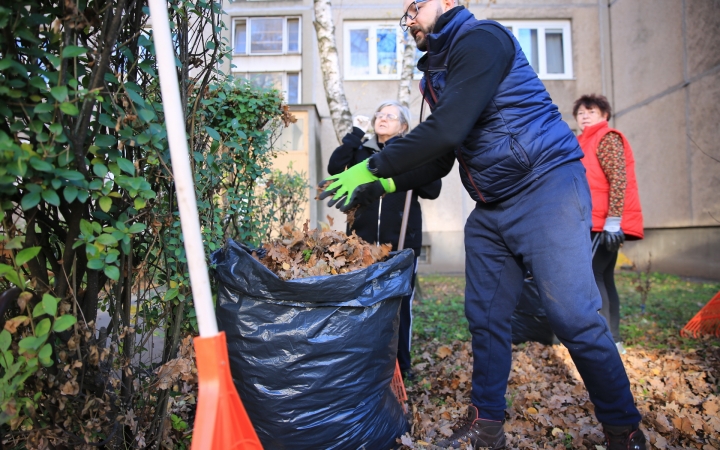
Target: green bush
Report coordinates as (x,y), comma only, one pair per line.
(89,216)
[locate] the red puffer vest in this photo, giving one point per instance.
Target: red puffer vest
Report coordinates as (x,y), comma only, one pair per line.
(632,221)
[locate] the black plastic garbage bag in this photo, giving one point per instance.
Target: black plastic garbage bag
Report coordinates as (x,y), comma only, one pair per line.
(529,321)
(312,359)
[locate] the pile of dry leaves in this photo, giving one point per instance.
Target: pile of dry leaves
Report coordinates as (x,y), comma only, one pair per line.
(308,253)
(548,406)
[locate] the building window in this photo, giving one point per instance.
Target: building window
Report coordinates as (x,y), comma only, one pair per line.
(547,46)
(266,35)
(373,50)
(424,256)
(286,82)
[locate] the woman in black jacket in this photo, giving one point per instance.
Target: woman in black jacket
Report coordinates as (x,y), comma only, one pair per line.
(380,221)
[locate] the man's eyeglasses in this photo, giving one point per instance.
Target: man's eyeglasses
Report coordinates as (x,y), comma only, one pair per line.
(379,115)
(410,14)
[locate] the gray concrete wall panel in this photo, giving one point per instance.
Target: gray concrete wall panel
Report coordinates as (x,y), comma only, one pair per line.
(702,18)
(647,49)
(683,251)
(656,133)
(704,149)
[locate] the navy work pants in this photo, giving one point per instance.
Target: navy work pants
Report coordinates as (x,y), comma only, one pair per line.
(544,229)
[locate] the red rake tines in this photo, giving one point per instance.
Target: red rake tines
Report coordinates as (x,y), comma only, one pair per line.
(706,321)
(221,422)
(398,387)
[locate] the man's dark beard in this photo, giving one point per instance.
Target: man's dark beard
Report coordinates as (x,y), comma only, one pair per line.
(422,43)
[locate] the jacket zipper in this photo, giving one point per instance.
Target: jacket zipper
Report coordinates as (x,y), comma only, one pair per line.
(462,161)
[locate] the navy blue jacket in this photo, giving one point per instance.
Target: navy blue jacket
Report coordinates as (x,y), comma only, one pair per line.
(518,134)
(380,222)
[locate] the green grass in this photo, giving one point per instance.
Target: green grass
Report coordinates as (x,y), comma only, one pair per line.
(670,303)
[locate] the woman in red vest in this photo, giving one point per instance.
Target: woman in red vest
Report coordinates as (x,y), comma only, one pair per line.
(616,212)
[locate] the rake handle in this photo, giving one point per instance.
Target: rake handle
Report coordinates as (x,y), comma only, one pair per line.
(187,203)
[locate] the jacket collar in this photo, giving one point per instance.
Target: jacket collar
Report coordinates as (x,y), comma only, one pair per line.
(372,143)
(442,36)
(591,130)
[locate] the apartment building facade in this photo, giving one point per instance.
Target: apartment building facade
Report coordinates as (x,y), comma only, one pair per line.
(658,61)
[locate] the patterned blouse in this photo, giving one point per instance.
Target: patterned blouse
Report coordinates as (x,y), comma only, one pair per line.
(611,155)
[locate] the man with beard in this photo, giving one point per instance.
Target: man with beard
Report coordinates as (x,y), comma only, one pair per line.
(520,162)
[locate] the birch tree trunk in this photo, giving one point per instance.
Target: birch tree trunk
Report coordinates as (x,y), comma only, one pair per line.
(330,66)
(406,76)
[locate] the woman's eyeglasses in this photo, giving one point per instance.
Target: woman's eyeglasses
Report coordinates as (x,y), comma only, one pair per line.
(379,115)
(410,14)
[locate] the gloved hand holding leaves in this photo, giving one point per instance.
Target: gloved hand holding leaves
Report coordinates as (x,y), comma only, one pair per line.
(612,235)
(353,187)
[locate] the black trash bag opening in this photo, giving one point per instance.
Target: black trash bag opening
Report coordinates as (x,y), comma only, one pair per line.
(529,320)
(312,359)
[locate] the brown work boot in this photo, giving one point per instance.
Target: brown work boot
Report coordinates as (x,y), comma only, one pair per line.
(482,434)
(623,437)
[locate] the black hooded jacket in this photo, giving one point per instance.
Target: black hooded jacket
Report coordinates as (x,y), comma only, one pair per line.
(380,222)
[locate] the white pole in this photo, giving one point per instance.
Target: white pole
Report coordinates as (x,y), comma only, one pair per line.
(175,123)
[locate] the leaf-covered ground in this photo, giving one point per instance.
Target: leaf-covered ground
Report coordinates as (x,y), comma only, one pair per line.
(675,380)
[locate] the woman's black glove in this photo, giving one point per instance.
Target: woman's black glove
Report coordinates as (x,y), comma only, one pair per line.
(613,240)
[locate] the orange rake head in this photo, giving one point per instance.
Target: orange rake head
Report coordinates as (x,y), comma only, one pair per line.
(221,422)
(398,387)
(706,321)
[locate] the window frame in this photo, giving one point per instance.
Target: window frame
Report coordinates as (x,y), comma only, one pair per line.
(371,26)
(541,26)
(285,83)
(285,37)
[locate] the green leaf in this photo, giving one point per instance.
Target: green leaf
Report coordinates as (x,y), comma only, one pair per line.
(95,264)
(64,322)
(15,278)
(171,294)
(30,344)
(107,239)
(105,140)
(100,170)
(72,175)
(38,310)
(112,272)
(50,304)
(126,165)
(51,197)
(69,109)
(71,51)
(213,134)
(60,93)
(26,255)
(136,228)
(105,203)
(139,203)
(40,165)
(43,327)
(45,355)
(30,200)
(70,193)
(41,108)
(5,340)
(86,228)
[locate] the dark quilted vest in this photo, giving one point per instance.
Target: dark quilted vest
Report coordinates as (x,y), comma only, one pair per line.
(519,136)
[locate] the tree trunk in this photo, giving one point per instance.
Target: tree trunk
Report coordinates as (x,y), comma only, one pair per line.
(406,76)
(330,66)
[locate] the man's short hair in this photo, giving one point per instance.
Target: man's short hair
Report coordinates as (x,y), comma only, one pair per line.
(592,100)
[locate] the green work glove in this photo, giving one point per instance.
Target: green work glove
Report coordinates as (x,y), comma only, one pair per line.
(345,184)
(366,194)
